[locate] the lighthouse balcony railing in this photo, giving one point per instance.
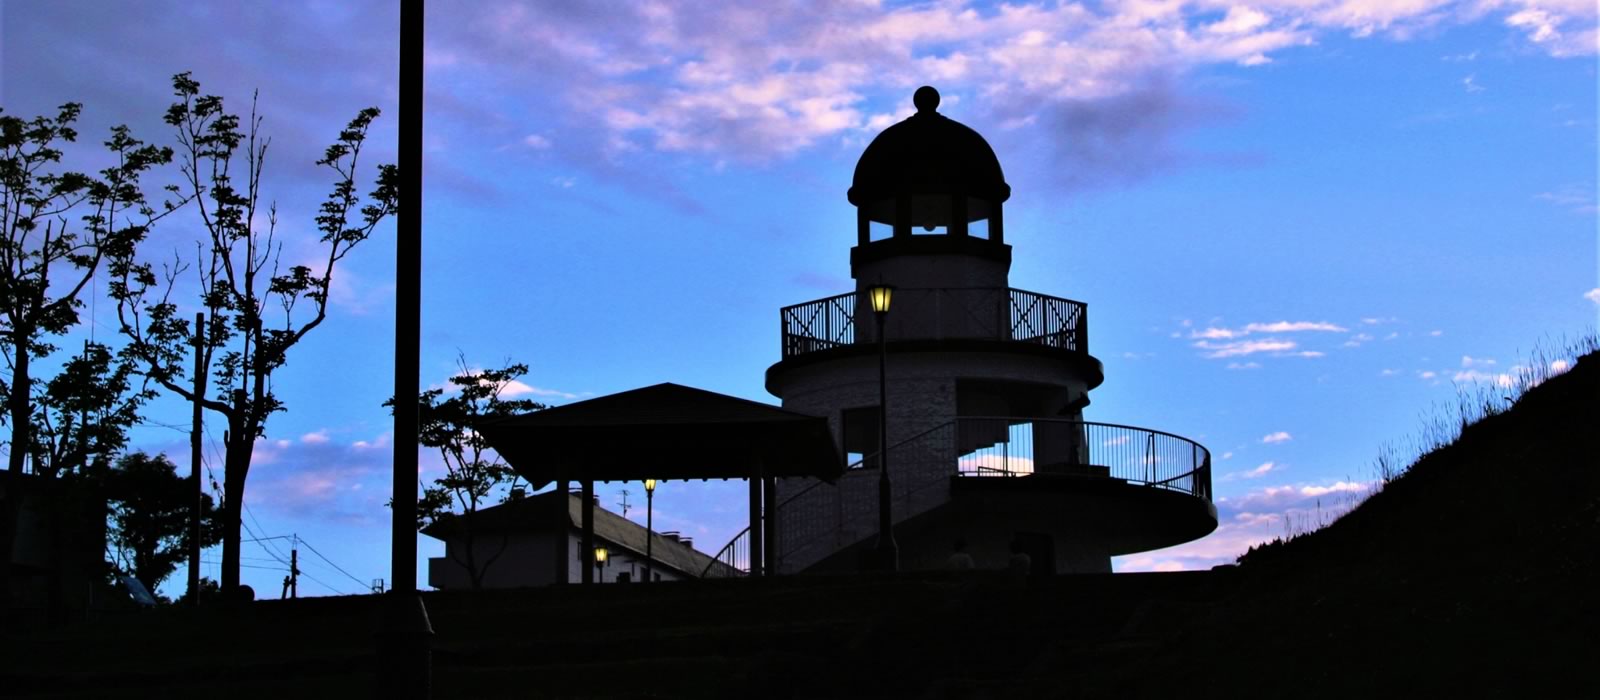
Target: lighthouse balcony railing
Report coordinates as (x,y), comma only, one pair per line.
(1013,447)
(993,313)
(816,519)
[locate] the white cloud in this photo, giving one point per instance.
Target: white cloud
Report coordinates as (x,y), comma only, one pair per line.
(1470,361)
(1279,436)
(1276,346)
(1244,347)
(536,142)
(1474,376)
(1388,372)
(1240,20)
(1593,295)
(1261,470)
(1427,374)
(1356,340)
(1471,83)
(513,388)
(1293,326)
(317,438)
(1336,487)
(1435,333)
(1244,365)
(1578,197)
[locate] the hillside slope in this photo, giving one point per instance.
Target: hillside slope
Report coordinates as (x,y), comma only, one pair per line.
(1473,574)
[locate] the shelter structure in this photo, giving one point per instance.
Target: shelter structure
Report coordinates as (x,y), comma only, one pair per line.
(668,432)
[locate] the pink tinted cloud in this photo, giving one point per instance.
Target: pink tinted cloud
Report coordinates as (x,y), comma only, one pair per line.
(1258,516)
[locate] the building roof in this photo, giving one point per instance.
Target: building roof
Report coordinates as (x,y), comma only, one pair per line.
(666,431)
(928,153)
(543,512)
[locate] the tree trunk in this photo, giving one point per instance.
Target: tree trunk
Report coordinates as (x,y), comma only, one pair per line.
(18,405)
(236,464)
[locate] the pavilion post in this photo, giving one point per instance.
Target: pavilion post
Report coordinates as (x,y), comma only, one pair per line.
(561,544)
(769,513)
(587,555)
(756,533)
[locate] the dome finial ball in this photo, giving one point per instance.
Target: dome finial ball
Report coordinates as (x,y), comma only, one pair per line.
(926,99)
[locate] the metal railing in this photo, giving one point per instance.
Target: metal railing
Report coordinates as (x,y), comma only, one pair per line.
(819,325)
(821,518)
(1000,447)
(733,560)
(940,313)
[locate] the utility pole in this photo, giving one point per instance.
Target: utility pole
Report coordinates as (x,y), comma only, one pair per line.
(624,503)
(294,567)
(194,462)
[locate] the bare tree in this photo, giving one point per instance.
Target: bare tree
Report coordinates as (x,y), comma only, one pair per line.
(255,310)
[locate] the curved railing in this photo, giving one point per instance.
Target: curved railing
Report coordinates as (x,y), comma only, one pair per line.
(999,447)
(821,518)
(993,313)
(733,560)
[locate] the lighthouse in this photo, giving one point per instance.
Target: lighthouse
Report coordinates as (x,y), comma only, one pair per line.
(959,400)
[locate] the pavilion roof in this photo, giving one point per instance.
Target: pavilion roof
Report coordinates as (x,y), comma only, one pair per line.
(666,431)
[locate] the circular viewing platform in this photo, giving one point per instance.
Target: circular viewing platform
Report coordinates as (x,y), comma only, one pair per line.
(952,313)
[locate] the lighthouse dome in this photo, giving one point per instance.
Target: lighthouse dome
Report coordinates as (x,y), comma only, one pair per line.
(928,153)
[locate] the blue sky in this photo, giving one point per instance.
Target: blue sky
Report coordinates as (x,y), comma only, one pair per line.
(1298,224)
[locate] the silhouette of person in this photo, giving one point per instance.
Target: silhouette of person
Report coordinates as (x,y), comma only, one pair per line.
(959,559)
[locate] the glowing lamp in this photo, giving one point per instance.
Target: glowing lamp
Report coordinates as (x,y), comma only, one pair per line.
(880,295)
(649,485)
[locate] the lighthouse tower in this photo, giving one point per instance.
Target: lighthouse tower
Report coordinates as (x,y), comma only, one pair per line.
(976,389)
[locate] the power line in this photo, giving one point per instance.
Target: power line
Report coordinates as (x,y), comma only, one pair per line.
(359,582)
(249,566)
(324,585)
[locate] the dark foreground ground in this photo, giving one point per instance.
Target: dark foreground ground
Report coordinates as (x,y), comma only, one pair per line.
(1474,575)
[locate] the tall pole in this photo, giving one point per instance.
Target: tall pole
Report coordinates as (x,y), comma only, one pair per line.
(194,461)
(405,668)
(649,534)
(888,551)
(408,304)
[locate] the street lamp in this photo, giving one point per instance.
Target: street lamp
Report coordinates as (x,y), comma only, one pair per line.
(600,556)
(888,551)
(649,528)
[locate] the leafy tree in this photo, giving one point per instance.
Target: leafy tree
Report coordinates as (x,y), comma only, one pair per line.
(47,260)
(239,280)
(150,510)
(84,413)
(473,471)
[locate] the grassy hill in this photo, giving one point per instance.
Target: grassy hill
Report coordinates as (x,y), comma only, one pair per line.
(1472,574)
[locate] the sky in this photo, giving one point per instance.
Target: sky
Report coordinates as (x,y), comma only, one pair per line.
(1300,226)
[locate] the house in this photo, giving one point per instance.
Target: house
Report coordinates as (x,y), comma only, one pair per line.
(537,540)
(58,551)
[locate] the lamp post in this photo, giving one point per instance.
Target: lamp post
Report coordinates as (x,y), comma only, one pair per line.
(600,556)
(649,528)
(888,552)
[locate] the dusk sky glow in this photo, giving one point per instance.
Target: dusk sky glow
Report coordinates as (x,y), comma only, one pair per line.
(1297,224)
